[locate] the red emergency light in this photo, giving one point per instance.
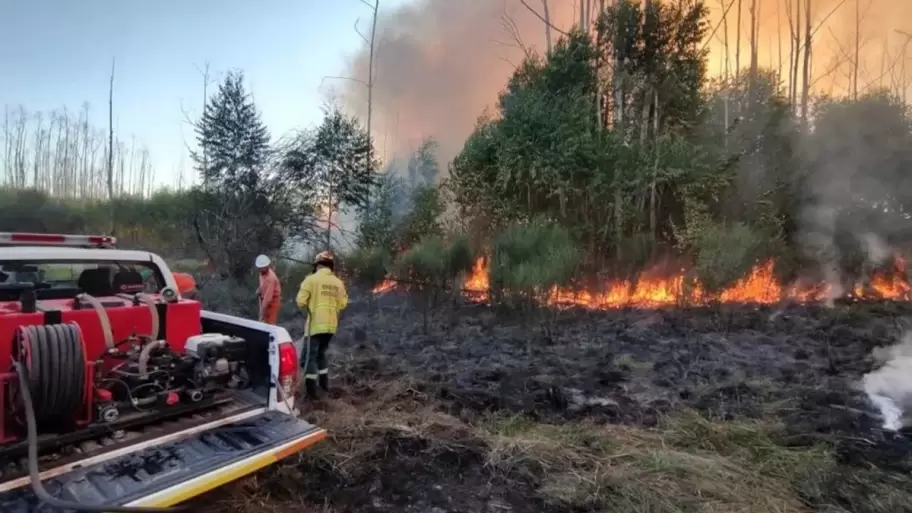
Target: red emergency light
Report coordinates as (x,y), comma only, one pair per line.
(57,239)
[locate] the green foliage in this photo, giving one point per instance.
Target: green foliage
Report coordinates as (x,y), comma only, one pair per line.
(233,141)
(530,259)
(425,264)
(338,163)
(460,256)
(423,167)
(424,218)
(377,222)
(726,254)
(245,206)
(368,265)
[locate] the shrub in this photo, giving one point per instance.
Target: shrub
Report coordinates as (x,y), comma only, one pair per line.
(460,256)
(425,264)
(423,268)
(368,266)
(530,260)
(726,254)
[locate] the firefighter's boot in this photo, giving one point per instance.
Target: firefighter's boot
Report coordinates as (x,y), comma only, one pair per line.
(324,379)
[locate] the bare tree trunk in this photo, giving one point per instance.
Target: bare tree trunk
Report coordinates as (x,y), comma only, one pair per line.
(806,72)
(653,195)
(738,43)
(86,135)
(617,80)
(726,69)
(370,83)
(111,147)
(547,16)
(856,63)
(7,144)
(796,41)
(205,73)
(754,44)
(600,123)
(21,143)
(779,40)
(38,142)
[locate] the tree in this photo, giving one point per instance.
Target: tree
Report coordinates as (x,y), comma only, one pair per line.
(378,223)
(233,141)
(248,203)
(334,157)
(422,166)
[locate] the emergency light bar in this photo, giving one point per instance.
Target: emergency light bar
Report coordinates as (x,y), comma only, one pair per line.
(57,239)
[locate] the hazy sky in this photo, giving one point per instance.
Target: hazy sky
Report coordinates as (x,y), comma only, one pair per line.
(56,53)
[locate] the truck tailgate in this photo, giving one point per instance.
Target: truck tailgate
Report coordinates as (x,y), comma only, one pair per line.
(174,472)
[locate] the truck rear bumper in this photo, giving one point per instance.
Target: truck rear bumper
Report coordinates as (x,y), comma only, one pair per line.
(174,472)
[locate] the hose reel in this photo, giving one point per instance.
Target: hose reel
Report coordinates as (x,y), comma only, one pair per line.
(55,360)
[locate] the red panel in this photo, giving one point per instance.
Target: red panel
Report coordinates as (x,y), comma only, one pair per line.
(9,323)
(183,321)
(126,321)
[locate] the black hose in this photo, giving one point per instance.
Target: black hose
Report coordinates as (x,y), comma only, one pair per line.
(56,371)
(34,474)
(56,375)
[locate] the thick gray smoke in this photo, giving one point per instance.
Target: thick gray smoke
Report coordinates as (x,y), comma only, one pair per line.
(439,64)
(854,217)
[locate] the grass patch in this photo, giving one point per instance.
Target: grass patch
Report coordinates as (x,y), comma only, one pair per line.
(686,465)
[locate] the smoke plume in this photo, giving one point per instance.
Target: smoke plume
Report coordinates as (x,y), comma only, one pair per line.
(890,387)
(440,63)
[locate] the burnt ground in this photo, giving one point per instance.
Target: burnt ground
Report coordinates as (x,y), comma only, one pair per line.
(730,408)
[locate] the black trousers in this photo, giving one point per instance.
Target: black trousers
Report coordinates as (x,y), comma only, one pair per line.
(314,361)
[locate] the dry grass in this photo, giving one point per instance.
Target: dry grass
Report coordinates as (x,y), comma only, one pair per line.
(688,464)
(618,468)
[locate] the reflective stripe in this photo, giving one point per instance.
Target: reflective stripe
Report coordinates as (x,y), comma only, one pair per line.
(323,371)
(310,376)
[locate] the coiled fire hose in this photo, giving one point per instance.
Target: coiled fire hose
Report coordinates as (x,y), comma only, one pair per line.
(35,475)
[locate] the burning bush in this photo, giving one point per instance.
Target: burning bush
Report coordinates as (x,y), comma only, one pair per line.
(725,255)
(530,260)
(368,266)
(432,267)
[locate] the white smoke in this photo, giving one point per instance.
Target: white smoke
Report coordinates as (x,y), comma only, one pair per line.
(890,387)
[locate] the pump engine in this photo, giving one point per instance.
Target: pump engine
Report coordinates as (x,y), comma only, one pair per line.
(153,376)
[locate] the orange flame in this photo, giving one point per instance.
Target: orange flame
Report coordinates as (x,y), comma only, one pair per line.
(653,290)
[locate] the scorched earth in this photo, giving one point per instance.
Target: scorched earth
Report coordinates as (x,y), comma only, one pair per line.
(726,408)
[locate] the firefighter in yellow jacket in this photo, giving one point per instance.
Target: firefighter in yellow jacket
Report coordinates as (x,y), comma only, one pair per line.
(322,296)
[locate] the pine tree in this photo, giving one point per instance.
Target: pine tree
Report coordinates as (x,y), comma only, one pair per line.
(233,141)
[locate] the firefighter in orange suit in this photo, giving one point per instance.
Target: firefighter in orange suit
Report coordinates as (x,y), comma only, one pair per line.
(323,297)
(269,291)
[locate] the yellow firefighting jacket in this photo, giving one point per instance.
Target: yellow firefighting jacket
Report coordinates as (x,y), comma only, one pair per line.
(322,295)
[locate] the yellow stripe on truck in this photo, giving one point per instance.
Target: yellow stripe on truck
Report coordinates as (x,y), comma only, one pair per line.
(207,482)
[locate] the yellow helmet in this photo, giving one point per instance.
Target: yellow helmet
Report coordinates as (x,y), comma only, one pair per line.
(324,257)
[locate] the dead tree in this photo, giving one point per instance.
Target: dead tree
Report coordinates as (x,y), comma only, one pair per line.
(548,24)
(111,147)
(738,42)
(806,72)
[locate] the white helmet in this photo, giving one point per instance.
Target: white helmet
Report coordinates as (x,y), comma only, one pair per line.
(262,261)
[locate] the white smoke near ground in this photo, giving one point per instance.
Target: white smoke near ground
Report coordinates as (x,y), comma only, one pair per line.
(890,387)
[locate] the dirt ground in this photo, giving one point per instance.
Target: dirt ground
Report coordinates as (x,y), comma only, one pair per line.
(731,408)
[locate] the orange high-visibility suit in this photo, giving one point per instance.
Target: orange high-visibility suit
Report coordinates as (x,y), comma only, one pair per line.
(270,294)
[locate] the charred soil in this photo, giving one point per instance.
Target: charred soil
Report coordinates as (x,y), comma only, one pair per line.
(728,408)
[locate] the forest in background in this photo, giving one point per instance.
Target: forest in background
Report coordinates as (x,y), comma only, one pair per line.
(610,152)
